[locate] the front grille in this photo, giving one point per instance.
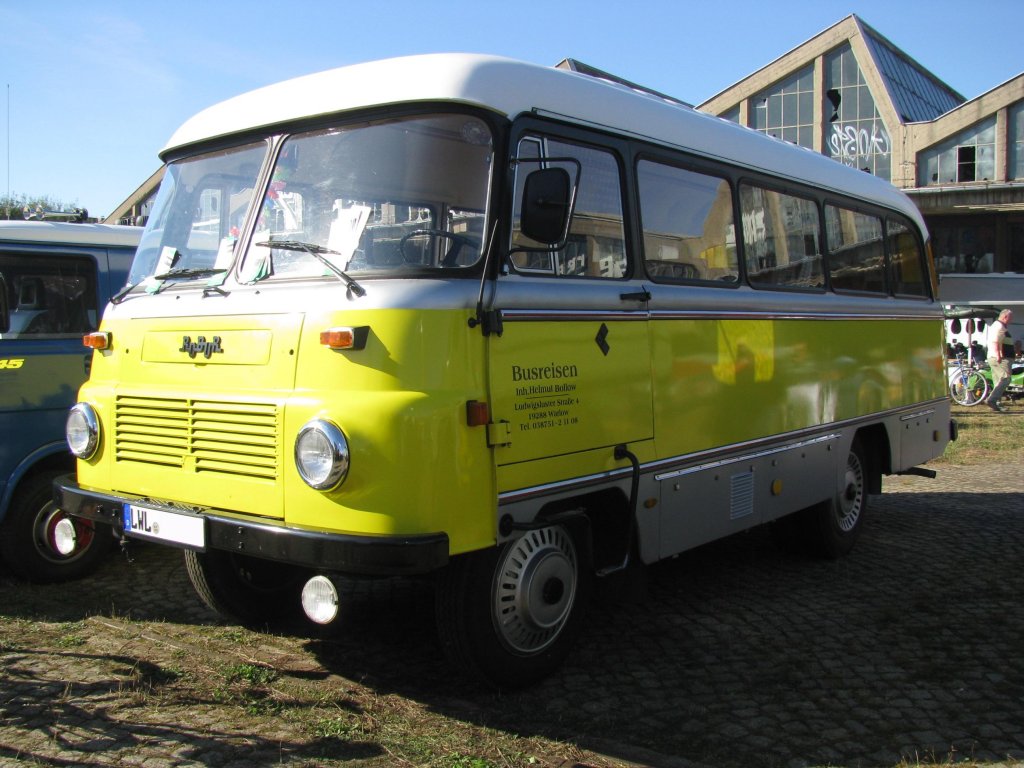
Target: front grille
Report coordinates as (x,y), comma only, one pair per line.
(207,435)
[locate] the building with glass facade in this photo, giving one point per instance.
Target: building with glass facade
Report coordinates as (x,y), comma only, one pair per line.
(852,94)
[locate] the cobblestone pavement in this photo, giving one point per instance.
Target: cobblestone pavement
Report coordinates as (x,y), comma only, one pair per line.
(910,649)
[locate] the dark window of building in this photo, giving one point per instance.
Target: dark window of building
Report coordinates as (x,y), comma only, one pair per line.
(964,246)
(965,166)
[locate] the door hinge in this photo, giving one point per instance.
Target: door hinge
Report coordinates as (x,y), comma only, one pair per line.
(499,433)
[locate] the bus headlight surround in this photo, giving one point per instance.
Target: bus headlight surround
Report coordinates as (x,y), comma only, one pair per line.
(322,455)
(82,430)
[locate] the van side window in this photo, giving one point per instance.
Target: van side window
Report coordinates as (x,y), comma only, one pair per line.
(781,238)
(856,253)
(689,231)
(50,296)
(596,246)
(907,260)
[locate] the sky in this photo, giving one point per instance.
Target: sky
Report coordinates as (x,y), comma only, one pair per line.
(93,90)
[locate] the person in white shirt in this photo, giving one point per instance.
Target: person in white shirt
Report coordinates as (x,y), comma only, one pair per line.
(997,361)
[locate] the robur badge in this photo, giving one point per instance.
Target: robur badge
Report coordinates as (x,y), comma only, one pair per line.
(200,346)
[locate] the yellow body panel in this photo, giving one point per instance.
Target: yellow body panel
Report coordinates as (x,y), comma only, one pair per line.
(401,403)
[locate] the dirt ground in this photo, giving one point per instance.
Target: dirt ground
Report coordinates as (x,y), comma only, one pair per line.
(908,651)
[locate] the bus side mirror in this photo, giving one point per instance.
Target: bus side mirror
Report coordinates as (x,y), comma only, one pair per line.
(955,326)
(5,310)
(547,201)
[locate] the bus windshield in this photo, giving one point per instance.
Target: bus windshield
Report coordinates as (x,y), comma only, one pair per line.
(387,198)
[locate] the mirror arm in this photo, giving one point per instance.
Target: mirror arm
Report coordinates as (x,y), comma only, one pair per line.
(490,320)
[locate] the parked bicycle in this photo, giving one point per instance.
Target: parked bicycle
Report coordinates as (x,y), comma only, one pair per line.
(967,382)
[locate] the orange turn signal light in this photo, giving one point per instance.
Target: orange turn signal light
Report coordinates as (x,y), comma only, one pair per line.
(97,340)
(344,337)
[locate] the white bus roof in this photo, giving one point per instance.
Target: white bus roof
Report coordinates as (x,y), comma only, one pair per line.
(69,234)
(512,88)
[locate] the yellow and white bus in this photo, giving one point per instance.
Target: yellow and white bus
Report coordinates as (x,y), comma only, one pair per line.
(514,326)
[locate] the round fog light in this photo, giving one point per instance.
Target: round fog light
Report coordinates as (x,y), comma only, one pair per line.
(320,600)
(64,537)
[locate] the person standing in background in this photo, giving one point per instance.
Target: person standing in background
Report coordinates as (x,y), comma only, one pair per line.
(997,360)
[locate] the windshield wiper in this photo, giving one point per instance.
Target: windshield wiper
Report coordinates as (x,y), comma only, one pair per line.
(120,296)
(317,252)
(190,272)
(157,280)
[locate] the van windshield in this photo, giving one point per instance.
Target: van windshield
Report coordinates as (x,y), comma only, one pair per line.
(387,198)
(391,197)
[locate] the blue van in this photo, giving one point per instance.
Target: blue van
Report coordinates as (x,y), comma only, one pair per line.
(55,279)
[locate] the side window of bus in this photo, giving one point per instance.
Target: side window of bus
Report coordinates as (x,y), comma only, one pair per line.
(50,296)
(856,253)
(596,245)
(781,235)
(909,273)
(689,230)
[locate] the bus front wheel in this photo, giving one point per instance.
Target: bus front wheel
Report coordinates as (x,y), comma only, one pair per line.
(249,590)
(509,615)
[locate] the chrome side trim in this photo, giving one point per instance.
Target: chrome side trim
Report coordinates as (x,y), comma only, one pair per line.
(917,414)
(534,315)
(723,455)
(746,457)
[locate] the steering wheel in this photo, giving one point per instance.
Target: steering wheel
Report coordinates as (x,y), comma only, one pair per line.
(452,255)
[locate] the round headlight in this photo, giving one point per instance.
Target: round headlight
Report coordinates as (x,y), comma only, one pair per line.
(321,455)
(82,430)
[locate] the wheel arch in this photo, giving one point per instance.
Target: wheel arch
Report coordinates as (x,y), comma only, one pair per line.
(876,443)
(54,456)
(603,522)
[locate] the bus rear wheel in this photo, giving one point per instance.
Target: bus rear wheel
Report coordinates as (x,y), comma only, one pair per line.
(835,524)
(509,615)
(252,591)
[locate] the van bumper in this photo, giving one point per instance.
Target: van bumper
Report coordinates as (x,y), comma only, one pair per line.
(319,550)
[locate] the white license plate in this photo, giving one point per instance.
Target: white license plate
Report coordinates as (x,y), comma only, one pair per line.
(161,525)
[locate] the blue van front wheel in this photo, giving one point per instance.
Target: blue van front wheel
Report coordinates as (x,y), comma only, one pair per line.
(27,535)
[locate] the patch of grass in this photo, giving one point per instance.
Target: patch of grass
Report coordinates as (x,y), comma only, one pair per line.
(70,636)
(253,675)
(986,436)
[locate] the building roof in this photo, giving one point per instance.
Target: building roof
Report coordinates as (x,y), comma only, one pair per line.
(916,93)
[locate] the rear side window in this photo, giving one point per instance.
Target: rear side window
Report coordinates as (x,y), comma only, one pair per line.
(596,246)
(856,255)
(781,239)
(689,230)
(49,296)
(909,273)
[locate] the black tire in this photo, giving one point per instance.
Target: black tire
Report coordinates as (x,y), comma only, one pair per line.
(26,535)
(508,616)
(835,525)
(251,591)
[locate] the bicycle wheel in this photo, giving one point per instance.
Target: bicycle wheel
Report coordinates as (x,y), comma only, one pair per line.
(968,387)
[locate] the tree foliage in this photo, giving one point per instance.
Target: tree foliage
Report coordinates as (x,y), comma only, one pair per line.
(14,206)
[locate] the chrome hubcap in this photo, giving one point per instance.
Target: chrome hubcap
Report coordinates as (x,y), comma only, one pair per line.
(534,589)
